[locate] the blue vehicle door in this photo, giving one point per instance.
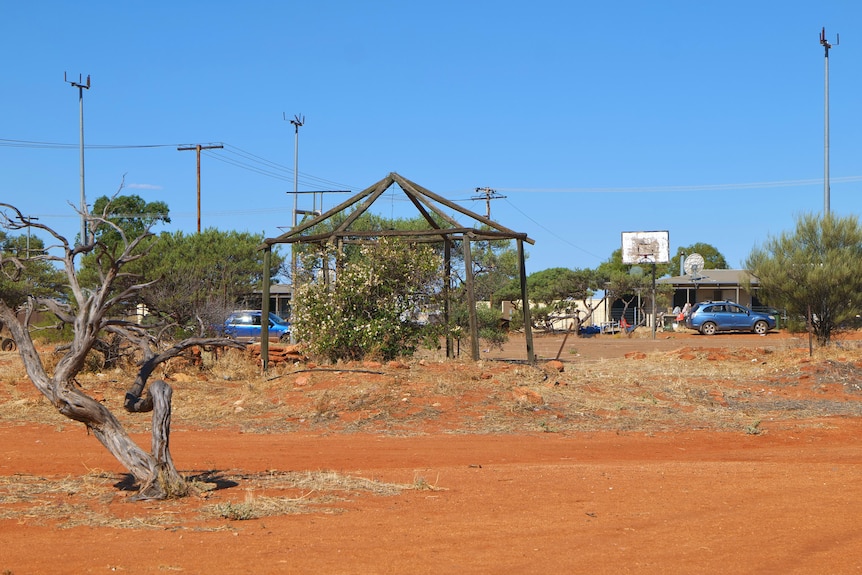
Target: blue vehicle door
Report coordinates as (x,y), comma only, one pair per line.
(243,326)
(717,314)
(737,317)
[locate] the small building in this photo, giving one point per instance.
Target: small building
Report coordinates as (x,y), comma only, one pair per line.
(739,286)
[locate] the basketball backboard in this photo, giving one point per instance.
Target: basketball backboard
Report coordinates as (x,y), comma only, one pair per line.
(646,248)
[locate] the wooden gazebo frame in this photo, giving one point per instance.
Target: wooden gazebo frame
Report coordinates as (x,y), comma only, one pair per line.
(427,203)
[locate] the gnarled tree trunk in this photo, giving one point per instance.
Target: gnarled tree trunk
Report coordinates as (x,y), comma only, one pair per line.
(87,311)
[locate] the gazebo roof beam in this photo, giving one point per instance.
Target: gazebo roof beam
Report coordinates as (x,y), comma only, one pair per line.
(405,183)
(381,187)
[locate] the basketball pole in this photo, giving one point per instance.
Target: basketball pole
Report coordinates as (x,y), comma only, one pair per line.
(654,318)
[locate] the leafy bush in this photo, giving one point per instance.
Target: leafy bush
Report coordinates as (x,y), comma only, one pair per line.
(372,307)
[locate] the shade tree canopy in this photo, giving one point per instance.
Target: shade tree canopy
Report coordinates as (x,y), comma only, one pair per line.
(28,272)
(813,271)
(191,279)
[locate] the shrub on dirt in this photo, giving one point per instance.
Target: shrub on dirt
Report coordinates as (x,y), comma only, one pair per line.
(371,308)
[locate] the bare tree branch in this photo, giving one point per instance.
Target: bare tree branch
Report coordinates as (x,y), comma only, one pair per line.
(88,311)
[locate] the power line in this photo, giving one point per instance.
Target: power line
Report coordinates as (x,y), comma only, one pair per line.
(562,239)
(692,188)
(57,145)
(311,181)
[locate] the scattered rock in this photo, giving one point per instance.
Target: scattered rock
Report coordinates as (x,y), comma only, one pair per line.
(524,395)
(555,365)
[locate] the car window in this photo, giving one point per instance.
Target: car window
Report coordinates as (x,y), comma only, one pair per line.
(735,309)
(714,309)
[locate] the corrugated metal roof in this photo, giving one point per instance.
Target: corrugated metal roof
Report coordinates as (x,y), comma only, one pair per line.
(713,277)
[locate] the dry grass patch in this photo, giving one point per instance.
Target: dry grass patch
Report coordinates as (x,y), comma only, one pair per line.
(691,387)
(92,499)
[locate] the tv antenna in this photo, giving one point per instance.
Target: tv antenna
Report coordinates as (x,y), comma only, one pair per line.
(693,265)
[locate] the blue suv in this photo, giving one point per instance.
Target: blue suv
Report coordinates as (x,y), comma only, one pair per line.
(709,317)
(245,325)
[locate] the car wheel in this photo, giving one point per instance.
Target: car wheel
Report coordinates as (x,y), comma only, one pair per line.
(285,338)
(708,328)
(761,327)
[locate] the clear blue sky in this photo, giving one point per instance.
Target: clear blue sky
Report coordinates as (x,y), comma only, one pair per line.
(705,119)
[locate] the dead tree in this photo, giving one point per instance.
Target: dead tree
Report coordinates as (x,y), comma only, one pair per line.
(88,311)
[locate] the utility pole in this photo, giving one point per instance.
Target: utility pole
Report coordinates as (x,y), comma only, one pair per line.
(81,87)
(487,194)
(826,46)
(197,148)
(297,121)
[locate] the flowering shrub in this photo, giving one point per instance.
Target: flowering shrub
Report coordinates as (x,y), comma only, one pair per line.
(372,307)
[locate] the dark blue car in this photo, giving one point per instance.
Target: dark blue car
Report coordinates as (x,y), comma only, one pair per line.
(245,325)
(710,317)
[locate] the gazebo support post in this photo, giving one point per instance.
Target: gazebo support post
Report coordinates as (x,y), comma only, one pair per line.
(447,282)
(528,330)
(471,298)
(264,308)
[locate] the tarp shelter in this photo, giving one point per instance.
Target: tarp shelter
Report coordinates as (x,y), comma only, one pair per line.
(428,205)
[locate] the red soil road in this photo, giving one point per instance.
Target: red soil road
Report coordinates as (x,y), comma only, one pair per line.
(688,502)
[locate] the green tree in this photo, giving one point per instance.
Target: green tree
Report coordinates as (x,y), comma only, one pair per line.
(196,277)
(495,266)
(32,275)
(128,216)
(311,257)
(813,272)
(557,290)
(115,221)
(370,308)
(201,276)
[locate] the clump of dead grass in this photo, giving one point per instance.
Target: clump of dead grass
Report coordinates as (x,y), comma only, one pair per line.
(67,502)
(316,492)
(232,365)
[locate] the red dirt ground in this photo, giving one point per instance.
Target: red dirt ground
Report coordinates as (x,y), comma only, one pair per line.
(678,501)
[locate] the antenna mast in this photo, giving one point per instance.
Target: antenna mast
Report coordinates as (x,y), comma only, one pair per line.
(297,121)
(81,87)
(826,47)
